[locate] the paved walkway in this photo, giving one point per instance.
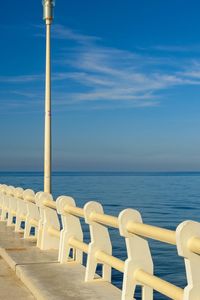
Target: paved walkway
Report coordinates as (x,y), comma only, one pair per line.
(43,275)
(10,286)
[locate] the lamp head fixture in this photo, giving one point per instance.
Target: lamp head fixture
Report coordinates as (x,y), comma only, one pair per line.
(48,9)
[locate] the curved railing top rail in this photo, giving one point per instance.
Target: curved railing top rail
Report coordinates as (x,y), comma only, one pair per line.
(141,229)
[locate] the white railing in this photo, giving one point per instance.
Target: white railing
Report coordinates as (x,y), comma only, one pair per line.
(40,212)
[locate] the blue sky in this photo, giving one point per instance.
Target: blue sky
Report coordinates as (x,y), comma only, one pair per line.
(125,85)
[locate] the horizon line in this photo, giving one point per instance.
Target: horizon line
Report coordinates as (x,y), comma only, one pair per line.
(53,172)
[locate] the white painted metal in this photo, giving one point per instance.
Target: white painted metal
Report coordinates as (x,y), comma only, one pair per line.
(48,6)
(32,213)
(47,137)
(39,204)
(48,9)
(21,209)
(100,241)
(1,196)
(139,256)
(71,229)
(184,233)
(49,220)
(12,205)
(4,208)
(21,214)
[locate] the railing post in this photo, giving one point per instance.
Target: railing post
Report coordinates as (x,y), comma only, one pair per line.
(1,196)
(5,203)
(12,205)
(100,240)
(139,256)
(40,206)
(28,193)
(71,228)
(49,219)
(21,208)
(185,231)
(32,213)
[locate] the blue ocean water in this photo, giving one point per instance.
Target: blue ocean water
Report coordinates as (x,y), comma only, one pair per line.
(163,199)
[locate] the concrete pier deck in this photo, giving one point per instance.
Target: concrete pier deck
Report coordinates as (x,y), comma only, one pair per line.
(44,276)
(10,286)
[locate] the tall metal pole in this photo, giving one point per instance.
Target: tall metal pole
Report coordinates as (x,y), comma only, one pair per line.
(48,17)
(47,131)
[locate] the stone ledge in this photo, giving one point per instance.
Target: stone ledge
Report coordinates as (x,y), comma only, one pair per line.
(61,282)
(45,277)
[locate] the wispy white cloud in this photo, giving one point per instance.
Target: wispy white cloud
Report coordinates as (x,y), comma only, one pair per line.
(173,48)
(192,71)
(117,75)
(103,77)
(62,32)
(20,78)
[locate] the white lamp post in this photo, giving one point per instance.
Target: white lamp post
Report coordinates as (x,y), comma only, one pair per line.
(48,7)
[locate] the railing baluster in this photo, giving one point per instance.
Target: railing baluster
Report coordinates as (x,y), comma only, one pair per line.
(100,241)
(71,229)
(21,209)
(138,256)
(47,239)
(185,233)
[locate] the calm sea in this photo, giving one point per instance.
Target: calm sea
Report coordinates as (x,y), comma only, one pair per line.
(163,199)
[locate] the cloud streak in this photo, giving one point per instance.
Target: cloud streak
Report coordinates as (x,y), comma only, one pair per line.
(174,48)
(21,78)
(102,77)
(63,33)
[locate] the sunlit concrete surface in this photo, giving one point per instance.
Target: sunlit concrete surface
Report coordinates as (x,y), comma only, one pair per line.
(10,286)
(59,282)
(12,240)
(22,256)
(42,274)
